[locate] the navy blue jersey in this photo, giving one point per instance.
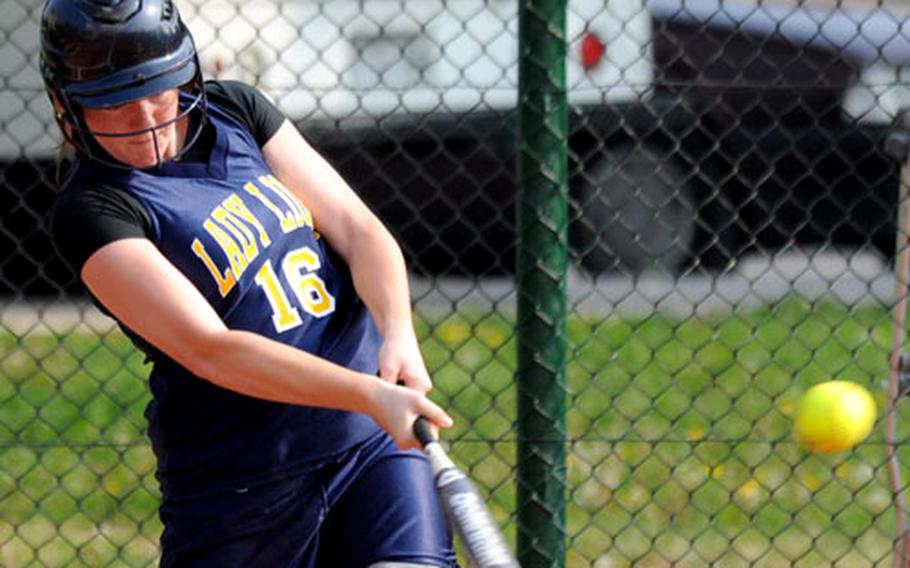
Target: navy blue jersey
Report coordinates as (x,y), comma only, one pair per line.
(249,246)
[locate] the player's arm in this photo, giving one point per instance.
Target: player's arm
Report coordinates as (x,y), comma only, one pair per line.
(149,295)
(371,252)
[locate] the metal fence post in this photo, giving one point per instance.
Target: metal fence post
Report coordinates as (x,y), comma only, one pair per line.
(897,146)
(541,281)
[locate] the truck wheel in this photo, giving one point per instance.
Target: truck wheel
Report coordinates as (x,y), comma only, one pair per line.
(634,212)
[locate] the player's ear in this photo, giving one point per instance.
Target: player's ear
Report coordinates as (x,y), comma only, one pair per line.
(60,114)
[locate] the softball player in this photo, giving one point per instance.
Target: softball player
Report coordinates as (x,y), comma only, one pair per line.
(272,304)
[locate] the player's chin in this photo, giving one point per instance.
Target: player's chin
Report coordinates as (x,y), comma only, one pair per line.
(143,164)
(137,160)
(141,153)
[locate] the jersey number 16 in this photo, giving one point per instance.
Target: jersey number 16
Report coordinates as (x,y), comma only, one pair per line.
(299,267)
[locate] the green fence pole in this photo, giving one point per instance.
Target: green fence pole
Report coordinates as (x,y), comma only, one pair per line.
(541,282)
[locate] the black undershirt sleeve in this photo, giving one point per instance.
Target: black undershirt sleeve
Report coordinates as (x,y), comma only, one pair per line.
(248,105)
(84,219)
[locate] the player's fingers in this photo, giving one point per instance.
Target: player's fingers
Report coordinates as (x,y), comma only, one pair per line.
(435,414)
(423,379)
(417,379)
(390,373)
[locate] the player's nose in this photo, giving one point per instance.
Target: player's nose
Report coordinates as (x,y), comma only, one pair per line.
(143,114)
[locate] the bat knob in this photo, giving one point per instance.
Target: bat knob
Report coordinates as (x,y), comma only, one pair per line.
(423,431)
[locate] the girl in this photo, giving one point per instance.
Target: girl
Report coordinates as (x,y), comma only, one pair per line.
(272,304)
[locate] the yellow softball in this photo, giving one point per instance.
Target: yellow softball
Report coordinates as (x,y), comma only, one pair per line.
(834,416)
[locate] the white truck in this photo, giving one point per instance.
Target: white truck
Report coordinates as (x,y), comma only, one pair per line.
(379,57)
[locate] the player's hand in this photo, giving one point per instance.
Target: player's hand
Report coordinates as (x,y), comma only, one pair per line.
(396,408)
(400,362)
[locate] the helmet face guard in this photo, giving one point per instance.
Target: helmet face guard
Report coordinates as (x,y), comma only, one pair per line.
(105,53)
(83,138)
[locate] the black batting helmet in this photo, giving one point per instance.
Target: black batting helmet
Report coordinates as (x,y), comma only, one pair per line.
(103,53)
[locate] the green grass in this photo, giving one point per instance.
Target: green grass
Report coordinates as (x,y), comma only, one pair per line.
(77,483)
(679,452)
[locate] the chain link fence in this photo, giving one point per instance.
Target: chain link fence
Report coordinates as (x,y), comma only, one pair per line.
(732,229)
